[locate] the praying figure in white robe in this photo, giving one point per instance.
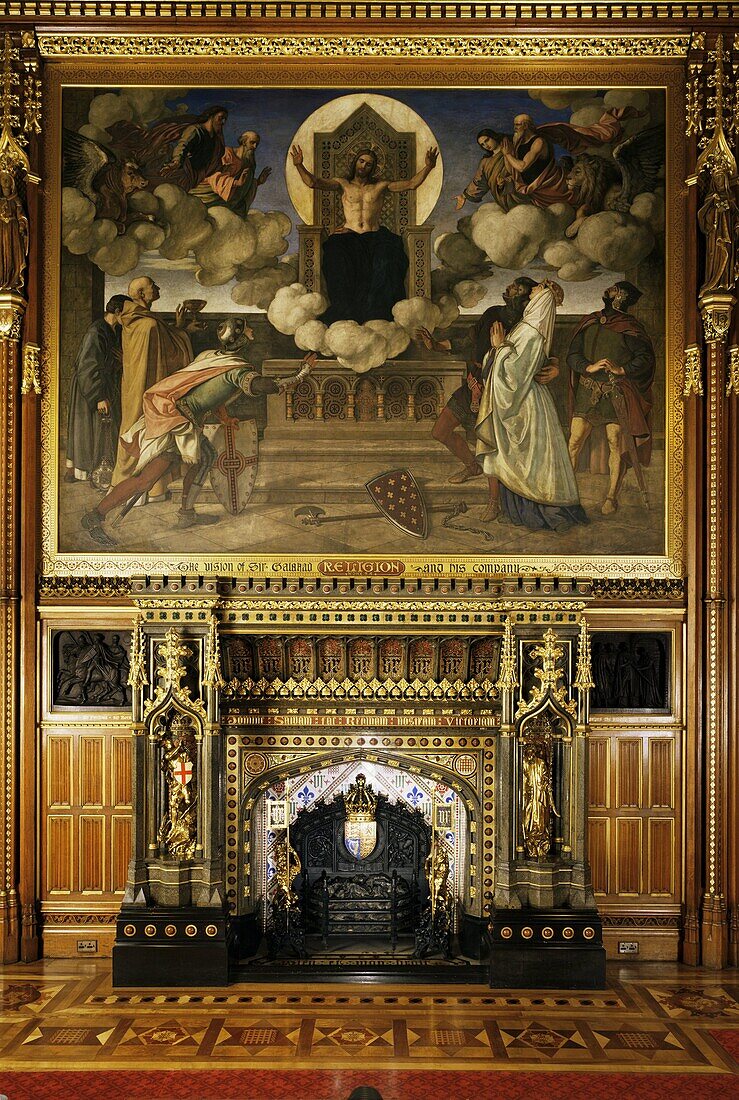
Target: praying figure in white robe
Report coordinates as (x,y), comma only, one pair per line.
(520,443)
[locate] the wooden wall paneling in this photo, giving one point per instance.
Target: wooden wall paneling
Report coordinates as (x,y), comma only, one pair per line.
(661,773)
(636,804)
(599,848)
(86,833)
(59,771)
(59,854)
(628,857)
(599,773)
(120,851)
(660,857)
(91,854)
(121,759)
(85,761)
(629,767)
(90,762)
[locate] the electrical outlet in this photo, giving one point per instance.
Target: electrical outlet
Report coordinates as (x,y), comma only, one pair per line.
(87,947)
(628,947)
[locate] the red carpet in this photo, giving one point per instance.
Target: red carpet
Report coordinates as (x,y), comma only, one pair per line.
(410,1085)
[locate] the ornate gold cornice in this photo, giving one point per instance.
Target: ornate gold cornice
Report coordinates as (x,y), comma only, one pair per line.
(365,10)
(536,47)
(621,589)
(358,690)
(646,589)
(76,588)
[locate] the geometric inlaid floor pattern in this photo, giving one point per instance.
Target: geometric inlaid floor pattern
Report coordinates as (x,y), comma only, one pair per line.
(656,1018)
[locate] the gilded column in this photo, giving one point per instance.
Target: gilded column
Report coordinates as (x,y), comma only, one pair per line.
(718,220)
(19,122)
(693,392)
(11,313)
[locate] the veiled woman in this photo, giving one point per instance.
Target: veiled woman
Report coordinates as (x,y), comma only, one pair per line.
(520,442)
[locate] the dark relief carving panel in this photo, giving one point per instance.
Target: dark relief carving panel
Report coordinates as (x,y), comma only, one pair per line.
(631,671)
(90,669)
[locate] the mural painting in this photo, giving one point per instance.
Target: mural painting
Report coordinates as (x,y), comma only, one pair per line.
(311,322)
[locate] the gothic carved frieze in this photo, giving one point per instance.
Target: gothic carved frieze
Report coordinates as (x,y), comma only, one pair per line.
(408,667)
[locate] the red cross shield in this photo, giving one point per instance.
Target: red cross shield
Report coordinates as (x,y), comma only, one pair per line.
(182,771)
(234,472)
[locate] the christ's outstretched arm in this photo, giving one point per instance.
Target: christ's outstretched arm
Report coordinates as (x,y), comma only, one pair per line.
(415,181)
(308,178)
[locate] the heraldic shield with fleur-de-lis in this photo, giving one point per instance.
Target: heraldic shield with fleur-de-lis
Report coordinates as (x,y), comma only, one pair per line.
(360,825)
(398,497)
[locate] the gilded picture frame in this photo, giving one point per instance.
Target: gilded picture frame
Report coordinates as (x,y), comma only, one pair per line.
(346,66)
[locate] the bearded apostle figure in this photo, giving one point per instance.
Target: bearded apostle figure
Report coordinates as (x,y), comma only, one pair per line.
(235,183)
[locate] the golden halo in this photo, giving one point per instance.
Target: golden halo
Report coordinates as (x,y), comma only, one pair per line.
(398,115)
(352,152)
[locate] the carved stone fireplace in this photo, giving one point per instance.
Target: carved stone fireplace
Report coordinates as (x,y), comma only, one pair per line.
(250,746)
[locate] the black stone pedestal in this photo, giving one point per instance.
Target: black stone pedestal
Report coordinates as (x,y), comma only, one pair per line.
(550,949)
(170,947)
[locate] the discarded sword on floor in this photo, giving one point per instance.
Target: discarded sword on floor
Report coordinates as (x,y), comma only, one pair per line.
(314,516)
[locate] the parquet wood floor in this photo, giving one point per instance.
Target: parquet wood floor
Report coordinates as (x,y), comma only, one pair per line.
(662,1019)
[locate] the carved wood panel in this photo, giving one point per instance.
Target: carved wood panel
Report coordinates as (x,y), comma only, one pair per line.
(634,820)
(86,806)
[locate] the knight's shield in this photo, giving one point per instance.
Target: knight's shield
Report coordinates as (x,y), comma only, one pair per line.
(398,497)
(234,471)
(360,838)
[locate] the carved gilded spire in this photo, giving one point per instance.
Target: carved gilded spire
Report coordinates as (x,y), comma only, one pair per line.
(713,116)
(213,677)
(584,672)
(508,676)
(172,654)
(549,674)
(137,663)
(12,139)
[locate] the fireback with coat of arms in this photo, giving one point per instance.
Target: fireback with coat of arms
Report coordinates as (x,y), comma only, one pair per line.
(360,825)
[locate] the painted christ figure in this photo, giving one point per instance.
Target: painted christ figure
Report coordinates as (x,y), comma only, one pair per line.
(364,264)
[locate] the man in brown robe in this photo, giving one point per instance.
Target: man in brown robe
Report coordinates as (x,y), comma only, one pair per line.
(492,176)
(152,349)
(530,159)
(235,182)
